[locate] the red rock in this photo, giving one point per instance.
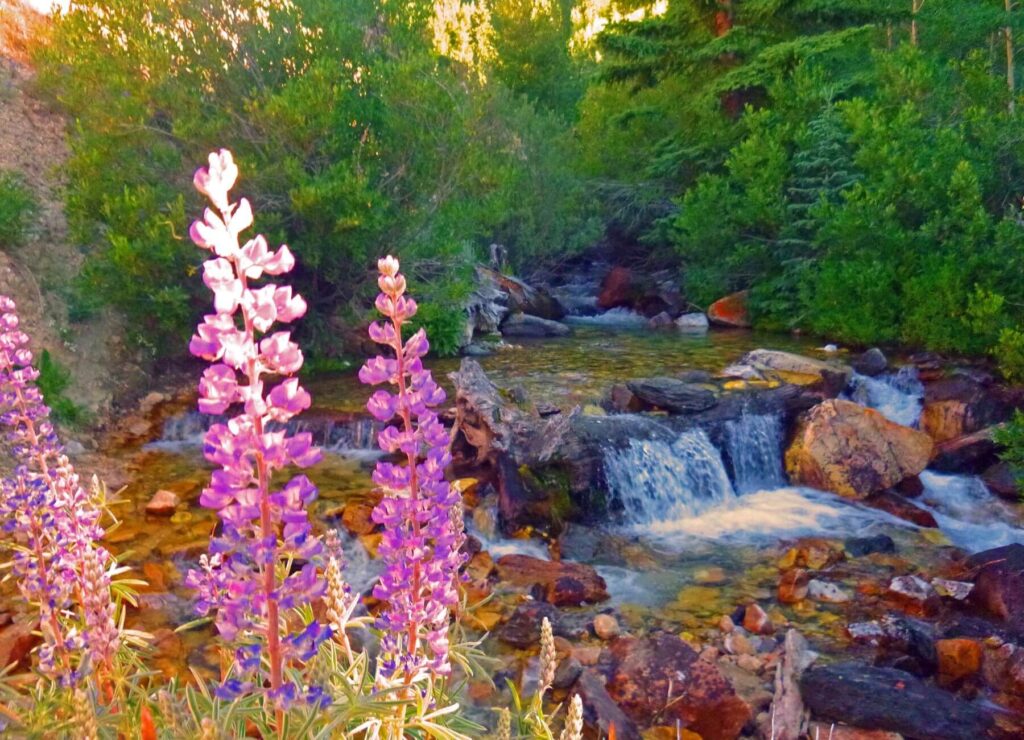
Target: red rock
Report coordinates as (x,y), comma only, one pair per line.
(958,405)
(621,399)
(832,731)
(600,710)
(793,586)
(730,311)
(914,594)
(616,289)
(163,503)
(971,453)
(895,504)
(561,583)
(958,658)
(854,451)
(757,621)
(663,677)
(999,583)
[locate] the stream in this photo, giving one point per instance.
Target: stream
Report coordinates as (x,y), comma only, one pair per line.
(701,528)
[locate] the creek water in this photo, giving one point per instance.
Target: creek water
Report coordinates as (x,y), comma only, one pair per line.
(701,528)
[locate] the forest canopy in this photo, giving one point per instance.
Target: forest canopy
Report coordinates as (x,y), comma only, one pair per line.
(856,164)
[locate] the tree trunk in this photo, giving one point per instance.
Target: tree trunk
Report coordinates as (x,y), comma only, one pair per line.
(915,6)
(1011,78)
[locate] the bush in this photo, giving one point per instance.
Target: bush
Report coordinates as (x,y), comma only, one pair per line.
(53,380)
(1011,439)
(17,206)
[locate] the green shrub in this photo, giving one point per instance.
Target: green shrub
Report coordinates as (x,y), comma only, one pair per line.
(1011,439)
(17,206)
(53,380)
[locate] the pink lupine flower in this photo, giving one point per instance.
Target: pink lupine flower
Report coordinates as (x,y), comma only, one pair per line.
(262,527)
(422,541)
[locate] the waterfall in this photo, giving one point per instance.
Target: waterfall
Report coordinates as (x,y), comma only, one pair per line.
(657,481)
(897,397)
(754,447)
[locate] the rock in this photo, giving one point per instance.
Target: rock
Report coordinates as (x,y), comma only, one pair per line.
(662,320)
(750,663)
(892,503)
(600,710)
(854,451)
(971,453)
(616,289)
(692,323)
(1001,479)
(560,583)
(891,700)
(522,630)
(999,583)
(915,593)
(756,620)
(811,552)
(959,405)
(871,363)
(828,592)
(832,731)
(74,448)
(958,658)
(860,546)
(833,377)
(730,311)
(524,298)
(738,644)
(357,516)
(568,670)
(661,676)
(793,586)
(151,400)
(957,590)
(480,566)
(163,503)
(787,711)
(16,643)
(606,626)
(621,400)
(525,325)
(726,625)
(672,395)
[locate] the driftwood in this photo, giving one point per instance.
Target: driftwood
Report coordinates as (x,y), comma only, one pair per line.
(787,717)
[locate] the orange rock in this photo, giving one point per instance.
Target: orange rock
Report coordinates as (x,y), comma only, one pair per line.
(958,658)
(730,311)
(480,566)
(757,621)
(163,503)
(944,420)
(844,732)
(357,516)
(793,586)
(854,451)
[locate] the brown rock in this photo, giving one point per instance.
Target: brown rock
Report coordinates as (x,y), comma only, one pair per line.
(1001,479)
(895,504)
(616,289)
(958,658)
(600,711)
(793,586)
(959,405)
(163,503)
(561,583)
(789,367)
(357,516)
(480,566)
(756,620)
(914,594)
(999,583)
(16,642)
(971,453)
(814,553)
(662,676)
(731,311)
(606,626)
(843,732)
(854,451)
(622,400)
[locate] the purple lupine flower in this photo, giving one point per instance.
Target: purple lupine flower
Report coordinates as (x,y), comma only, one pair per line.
(54,523)
(421,543)
(262,527)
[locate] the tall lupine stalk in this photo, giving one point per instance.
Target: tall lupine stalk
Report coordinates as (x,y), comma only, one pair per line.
(244,579)
(421,543)
(53,522)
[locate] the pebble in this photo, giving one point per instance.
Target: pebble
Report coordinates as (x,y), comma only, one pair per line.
(606,626)
(726,624)
(827,592)
(163,503)
(737,644)
(755,620)
(749,663)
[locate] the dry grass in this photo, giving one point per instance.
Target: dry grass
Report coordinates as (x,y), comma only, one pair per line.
(20,29)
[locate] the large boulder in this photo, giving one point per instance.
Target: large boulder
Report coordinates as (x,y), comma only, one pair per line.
(960,405)
(889,699)
(854,451)
(971,453)
(731,311)
(672,395)
(662,677)
(616,289)
(1002,480)
(692,323)
(872,362)
(599,709)
(999,583)
(527,325)
(558,582)
(796,369)
(523,298)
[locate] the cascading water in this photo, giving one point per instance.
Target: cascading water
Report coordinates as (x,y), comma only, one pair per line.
(656,481)
(897,397)
(754,447)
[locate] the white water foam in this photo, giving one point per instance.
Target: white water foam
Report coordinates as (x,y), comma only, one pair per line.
(754,445)
(897,397)
(614,317)
(967,513)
